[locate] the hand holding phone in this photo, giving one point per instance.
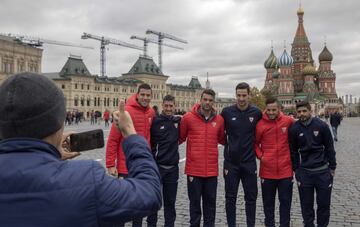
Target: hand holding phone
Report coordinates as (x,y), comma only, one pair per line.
(64,148)
(87,140)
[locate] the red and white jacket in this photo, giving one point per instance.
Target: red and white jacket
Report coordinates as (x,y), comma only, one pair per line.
(272,147)
(142,118)
(202,138)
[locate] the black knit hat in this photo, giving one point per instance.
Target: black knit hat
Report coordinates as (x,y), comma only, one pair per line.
(31,105)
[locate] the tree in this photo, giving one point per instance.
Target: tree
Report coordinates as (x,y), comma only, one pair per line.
(257,98)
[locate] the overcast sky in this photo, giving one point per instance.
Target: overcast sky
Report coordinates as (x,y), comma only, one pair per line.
(229,39)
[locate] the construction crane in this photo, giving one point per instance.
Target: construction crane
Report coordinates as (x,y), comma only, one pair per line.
(161,36)
(106,41)
(39,42)
(148,40)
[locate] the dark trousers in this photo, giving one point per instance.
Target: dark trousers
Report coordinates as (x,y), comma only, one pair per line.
(320,182)
(246,172)
(284,188)
(136,222)
(334,130)
(202,188)
(169,180)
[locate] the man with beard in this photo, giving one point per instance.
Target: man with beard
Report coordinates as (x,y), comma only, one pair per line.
(273,151)
(239,154)
(204,130)
(142,115)
(313,160)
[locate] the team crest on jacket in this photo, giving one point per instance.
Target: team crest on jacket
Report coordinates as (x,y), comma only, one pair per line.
(283,129)
(316,133)
(251,119)
(233,119)
(213,124)
(191,179)
(162,127)
(176,125)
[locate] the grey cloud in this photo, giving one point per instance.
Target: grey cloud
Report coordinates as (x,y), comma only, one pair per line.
(228,39)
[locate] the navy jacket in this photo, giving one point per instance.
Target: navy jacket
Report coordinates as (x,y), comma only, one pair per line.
(38,189)
(165,139)
(311,146)
(240,129)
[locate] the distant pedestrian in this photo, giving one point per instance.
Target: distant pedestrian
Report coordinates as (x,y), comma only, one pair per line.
(92,117)
(106,118)
(335,120)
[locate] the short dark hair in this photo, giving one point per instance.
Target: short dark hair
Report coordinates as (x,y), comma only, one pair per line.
(303,104)
(169,98)
(270,100)
(208,92)
(143,86)
(243,85)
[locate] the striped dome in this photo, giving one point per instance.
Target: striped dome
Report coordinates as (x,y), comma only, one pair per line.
(325,55)
(309,70)
(271,61)
(285,59)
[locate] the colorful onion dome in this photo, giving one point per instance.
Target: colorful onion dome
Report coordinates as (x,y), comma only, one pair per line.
(271,61)
(285,59)
(309,70)
(300,10)
(325,55)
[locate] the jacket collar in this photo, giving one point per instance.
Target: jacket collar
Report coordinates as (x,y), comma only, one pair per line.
(14,145)
(197,112)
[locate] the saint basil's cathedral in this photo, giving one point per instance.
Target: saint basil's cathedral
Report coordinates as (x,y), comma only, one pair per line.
(293,78)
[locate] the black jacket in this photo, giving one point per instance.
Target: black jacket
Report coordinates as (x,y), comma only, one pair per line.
(164,139)
(240,129)
(335,119)
(312,145)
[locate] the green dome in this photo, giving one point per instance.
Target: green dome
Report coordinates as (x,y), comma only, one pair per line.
(271,61)
(309,70)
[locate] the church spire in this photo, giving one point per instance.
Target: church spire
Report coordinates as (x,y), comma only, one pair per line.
(207,84)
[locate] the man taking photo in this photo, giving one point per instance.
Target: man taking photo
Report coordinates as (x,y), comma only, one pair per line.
(40,189)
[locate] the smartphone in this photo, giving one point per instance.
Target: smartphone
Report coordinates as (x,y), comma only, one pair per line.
(89,140)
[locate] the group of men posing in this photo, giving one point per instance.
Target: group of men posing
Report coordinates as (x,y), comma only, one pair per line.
(285,148)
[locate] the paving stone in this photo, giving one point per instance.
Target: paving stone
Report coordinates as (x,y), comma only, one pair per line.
(345,207)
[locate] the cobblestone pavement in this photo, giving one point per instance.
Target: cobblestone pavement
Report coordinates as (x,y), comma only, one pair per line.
(345,208)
